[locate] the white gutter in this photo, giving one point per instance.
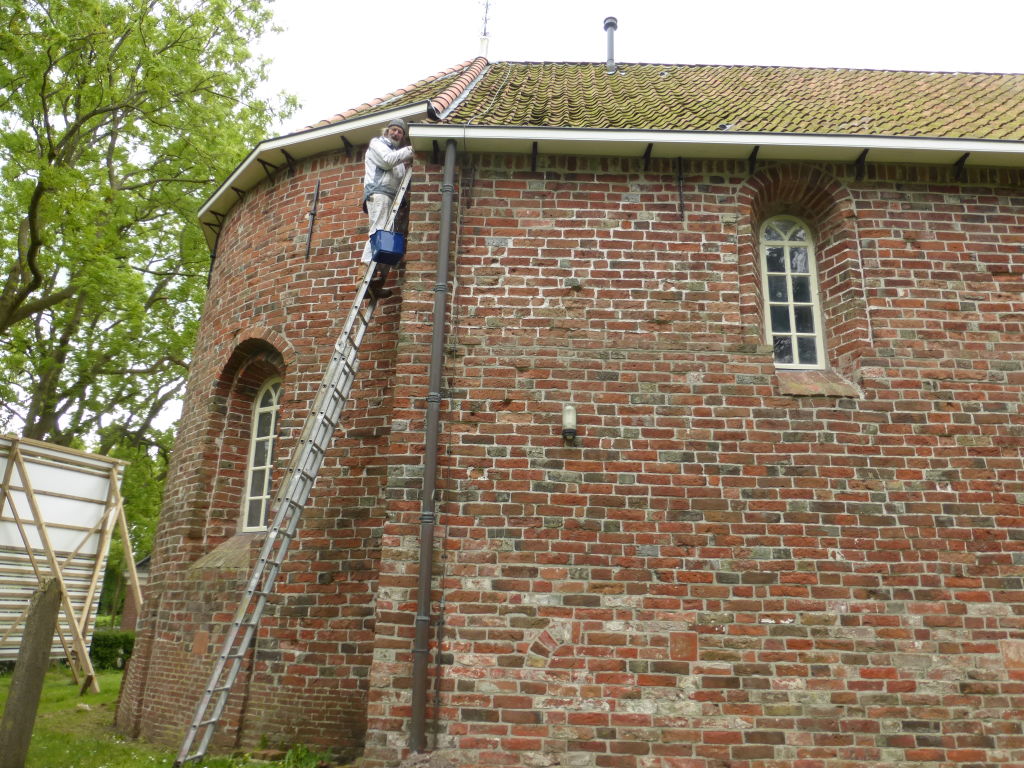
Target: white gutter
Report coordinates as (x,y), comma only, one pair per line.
(717,143)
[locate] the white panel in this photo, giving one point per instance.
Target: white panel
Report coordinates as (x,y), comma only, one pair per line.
(70,489)
(17,585)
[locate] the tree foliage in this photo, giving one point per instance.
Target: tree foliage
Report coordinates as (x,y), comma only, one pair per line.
(141,489)
(117,119)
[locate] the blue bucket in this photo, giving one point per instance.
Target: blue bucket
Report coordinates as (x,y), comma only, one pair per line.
(387,247)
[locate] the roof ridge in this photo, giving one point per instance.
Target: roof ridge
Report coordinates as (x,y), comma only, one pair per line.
(449,95)
(767,66)
(374,103)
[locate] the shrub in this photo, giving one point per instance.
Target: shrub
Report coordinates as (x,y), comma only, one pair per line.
(111,650)
(105,620)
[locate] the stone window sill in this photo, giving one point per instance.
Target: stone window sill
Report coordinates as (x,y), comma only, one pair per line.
(815,383)
(231,554)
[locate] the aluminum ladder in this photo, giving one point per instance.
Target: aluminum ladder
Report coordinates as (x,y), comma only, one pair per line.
(317,434)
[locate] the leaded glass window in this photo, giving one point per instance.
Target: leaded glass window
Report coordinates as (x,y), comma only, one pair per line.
(792,311)
(261,456)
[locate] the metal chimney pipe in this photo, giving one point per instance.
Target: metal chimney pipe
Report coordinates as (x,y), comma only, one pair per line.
(610,25)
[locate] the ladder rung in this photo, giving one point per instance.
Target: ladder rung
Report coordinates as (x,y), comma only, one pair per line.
(315,449)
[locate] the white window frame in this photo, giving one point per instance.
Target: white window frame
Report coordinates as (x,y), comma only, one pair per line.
(790,228)
(260,463)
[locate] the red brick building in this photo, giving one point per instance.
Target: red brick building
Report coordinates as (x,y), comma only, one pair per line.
(786,305)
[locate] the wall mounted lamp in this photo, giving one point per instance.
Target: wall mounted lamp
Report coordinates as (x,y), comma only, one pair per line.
(568,423)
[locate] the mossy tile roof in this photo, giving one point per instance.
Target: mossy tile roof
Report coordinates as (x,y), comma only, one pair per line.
(745,98)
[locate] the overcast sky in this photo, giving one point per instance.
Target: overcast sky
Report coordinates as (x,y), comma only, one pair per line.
(337,54)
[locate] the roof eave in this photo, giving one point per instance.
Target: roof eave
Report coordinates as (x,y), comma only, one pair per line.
(270,155)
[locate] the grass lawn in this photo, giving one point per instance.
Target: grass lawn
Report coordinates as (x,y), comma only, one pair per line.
(75,731)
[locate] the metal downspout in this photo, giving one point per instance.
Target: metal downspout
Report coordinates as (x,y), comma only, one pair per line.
(421,643)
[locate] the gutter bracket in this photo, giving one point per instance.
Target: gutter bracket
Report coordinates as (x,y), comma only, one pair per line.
(533,158)
(215,228)
(290,160)
(349,147)
(752,160)
(239,192)
(647,156)
(266,165)
(435,157)
(960,172)
(861,165)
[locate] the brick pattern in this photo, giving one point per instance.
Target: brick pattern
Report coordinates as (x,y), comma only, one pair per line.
(715,573)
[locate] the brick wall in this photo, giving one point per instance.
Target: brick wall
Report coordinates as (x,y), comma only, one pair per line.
(271,312)
(717,573)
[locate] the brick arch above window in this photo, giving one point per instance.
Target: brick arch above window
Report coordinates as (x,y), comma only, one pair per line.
(826,205)
(258,337)
(252,364)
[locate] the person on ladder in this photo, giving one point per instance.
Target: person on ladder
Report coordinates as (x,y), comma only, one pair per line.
(388,159)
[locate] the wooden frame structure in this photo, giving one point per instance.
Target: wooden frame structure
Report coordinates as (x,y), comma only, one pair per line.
(58,509)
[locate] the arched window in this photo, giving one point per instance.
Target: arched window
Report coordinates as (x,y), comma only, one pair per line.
(792,307)
(259,468)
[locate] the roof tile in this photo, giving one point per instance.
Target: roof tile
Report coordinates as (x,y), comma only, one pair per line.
(745,98)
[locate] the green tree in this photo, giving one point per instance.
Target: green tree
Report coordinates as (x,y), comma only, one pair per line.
(141,489)
(117,119)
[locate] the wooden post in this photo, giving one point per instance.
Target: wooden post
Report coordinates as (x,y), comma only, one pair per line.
(27,679)
(126,540)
